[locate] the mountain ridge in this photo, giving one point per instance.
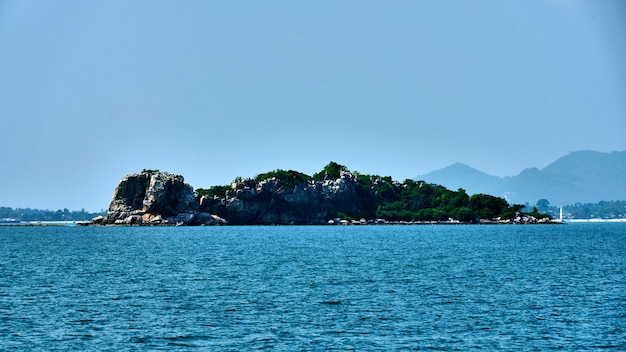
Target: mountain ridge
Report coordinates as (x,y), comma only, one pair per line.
(583,176)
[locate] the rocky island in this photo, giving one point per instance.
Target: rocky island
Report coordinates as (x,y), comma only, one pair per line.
(335,195)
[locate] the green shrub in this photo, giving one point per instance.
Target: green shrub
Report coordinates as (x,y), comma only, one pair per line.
(219,191)
(332,171)
(149,171)
(286,178)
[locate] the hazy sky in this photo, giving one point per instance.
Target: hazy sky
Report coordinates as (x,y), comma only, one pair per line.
(93,90)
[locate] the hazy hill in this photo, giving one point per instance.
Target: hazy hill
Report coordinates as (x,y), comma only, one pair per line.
(460,175)
(579,177)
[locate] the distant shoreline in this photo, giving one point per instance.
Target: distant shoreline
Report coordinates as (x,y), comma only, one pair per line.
(595,220)
(42,223)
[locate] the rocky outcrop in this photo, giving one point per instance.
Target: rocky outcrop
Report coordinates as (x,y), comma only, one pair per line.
(288,197)
(155,198)
(271,201)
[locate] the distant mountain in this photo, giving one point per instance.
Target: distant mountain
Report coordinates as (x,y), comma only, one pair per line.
(460,175)
(579,177)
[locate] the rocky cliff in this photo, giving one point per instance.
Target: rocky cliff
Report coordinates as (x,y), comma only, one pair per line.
(160,198)
(289,197)
(272,201)
(155,198)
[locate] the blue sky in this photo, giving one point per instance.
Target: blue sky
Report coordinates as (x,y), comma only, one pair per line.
(93,90)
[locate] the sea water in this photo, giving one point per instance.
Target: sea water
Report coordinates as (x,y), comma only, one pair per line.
(490,287)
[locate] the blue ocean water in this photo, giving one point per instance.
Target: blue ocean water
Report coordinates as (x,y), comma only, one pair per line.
(505,287)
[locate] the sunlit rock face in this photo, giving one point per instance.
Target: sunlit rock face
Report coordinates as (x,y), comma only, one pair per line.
(160,198)
(169,195)
(155,198)
(127,202)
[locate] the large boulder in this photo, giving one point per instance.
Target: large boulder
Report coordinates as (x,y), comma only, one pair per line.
(155,198)
(169,195)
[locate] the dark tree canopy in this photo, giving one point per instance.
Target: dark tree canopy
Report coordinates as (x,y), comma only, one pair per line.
(287,178)
(382,197)
(332,171)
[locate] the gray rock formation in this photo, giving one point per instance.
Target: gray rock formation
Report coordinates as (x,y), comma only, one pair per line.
(271,201)
(156,198)
(160,198)
(280,197)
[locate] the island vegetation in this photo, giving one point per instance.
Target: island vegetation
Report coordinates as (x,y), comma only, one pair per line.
(332,195)
(380,197)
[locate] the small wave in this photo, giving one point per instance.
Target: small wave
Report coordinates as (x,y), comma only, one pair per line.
(331,303)
(137,339)
(180,344)
(181,341)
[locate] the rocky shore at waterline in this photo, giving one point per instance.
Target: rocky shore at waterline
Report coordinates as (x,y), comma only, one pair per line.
(518,220)
(160,198)
(154,198)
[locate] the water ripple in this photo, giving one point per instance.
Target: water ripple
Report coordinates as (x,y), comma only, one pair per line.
(312,288)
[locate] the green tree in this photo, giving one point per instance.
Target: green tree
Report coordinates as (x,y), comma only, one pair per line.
(465,214)
(219,191)
(512,211)
(395,211)
(286,178)
(332,171)
(538,214)
(487,206)
(460,199)
(543,205)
